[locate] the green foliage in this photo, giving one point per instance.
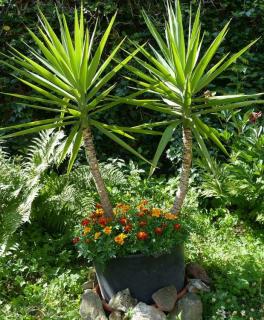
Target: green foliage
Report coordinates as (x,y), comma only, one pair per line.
(21,181)
(232,253)
(179,73)
(45,284)
(245,75)
(239,184)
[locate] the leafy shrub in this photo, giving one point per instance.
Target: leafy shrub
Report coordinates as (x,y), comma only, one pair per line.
(239,185)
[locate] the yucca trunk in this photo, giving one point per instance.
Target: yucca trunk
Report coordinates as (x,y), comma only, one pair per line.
(94,166)
(185,170)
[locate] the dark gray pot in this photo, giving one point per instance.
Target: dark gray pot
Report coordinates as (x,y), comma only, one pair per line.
(143,275)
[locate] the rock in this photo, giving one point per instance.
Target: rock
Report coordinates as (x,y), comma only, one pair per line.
(165,298)
(91,306)
(122,301)
(88,285)
(194,270)
(195,285)
(188,308)
(116,315)
(144,312)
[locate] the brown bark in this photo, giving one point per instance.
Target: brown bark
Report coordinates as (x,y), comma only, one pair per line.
(185,171)
(94,166)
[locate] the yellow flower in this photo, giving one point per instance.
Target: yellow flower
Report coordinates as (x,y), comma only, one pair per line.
(107,230)
(156,212)
(99,212)
(121,206)
(170,216)
(6,28)
(97,235)
(120,238)
(86,230)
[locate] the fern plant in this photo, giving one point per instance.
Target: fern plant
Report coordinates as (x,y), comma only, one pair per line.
(21,181)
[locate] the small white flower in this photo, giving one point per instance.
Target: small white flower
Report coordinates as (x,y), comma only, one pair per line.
(243,313)
(234,313)
(213,300)
(252,309)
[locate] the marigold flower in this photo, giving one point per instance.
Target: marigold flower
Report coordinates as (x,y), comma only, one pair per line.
(144,202)
(170,216)
(128,228)
(142,235)
(107,230)
(99,212)
(98,206)
(119,239)
(177,226)
(85,222)
(142,223)
(158,230)
(155,212)
(97,235)
(123,221)
(102,221)
(86,230)
(75,240)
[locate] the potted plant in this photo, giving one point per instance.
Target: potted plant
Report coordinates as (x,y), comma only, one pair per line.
(139,248)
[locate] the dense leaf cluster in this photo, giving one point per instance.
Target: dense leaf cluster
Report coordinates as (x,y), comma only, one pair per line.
(247,24)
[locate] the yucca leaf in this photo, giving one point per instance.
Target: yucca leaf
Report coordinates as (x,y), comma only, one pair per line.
(120,142)
(75,150)
(35,123)
(97,56)
(165,139)
(37,129)
(199,70)
(203,128)
(208,78)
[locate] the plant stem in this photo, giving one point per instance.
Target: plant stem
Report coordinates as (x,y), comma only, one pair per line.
(185,170)
(94,166)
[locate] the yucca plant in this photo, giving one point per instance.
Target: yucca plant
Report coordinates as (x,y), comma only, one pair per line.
(179,75)
(68,75)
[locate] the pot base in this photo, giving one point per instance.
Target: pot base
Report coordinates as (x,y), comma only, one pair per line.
(143,275)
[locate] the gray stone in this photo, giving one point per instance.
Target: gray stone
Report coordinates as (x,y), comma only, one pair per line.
(195,285)
(194,270)
(116,315)
(88,285)
(143,311)
(165,298)
(188,308)
(122,301)
(91,306)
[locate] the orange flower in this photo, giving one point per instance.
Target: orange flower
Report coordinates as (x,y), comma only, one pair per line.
(177,226)
(170,216)
(107,230)
(158,230)
(99,212)
(123,221)
(155,212)
(142,235)
(102,221)
(120,238)
(97,235)
(128,228)
(142,223)
(86,230)
(123,207)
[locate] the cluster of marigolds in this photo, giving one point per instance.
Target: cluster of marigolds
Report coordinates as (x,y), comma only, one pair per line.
(128,227)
